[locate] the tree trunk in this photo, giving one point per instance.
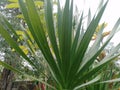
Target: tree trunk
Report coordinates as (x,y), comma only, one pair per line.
(6,79)
(7,76)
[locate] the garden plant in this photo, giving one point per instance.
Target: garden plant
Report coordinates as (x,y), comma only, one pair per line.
(67,51)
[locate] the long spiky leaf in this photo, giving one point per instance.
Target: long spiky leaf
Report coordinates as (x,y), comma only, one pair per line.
(51,30)
(12,43)
(85,41)
(40,35)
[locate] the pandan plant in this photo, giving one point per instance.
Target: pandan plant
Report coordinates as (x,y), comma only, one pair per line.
(67,50)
